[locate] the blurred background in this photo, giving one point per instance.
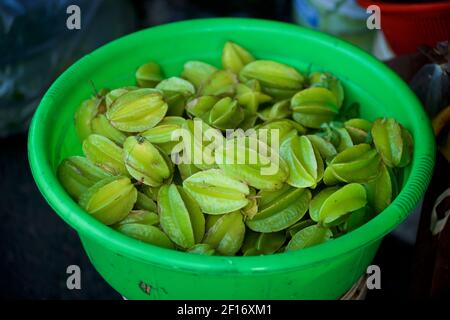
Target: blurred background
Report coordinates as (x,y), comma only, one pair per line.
(36,46)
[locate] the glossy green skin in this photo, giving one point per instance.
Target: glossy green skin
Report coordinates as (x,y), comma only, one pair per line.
(175,103)
(314,106)
(280,209)
(286,129)
(84,115)
(211,219)
(280,110)
(149,75)
(145,162)
(197,72)
(87,110)
(176,85)
(201,106)
(272,74)
(279,94)
(161,135)
(380,190)
(109,200)
(345,139)
(180,216)
(256,243)
(330,82)
(325,148)
(137,110)
(358,129)
(111,96)
(349,198)
(202,249)
(309,236)
(227,234)
(249,245)
(318,200)
(250,97)
(252,174)
(215,192)
(221,83)
(77,174)
(358,218)
(101,126)
(269,243)
(144,202)
(146,233)
(304,162)
(358,163)
(333,203)
(234,57)
(140,217)
(392,141)
(302,224)
(105,154)
(175,91)
(226,114)
(408,145)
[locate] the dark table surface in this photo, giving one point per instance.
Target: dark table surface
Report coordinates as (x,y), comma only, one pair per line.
(37,246)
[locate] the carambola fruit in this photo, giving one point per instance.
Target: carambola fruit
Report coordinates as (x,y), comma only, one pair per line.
(145,162)
(309,236)
(180,216)
(304,161)
(313,107)
(215,192)
(137,110)
(278,210)
(234,57)
(77,174)
(272,74)
(227,234)
(109,200)
(149,75)
(105,154)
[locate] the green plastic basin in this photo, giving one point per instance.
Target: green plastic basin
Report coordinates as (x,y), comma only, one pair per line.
(142,271)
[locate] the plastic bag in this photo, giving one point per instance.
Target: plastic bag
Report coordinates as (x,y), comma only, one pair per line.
(37,46)
(432,83)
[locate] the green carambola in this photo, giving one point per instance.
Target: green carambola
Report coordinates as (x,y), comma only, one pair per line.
(180,216)
(162,168)
(77,174)
(110,200)
(215,192)
(145,162)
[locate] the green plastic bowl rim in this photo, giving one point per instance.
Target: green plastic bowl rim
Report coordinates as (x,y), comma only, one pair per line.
(88,227)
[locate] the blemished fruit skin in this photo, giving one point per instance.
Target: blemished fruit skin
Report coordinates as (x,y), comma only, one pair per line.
(145,162)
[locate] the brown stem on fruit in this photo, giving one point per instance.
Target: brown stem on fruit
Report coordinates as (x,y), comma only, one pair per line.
(139,183)
(94,88)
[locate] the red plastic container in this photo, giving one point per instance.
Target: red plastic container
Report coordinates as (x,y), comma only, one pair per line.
(409,25)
